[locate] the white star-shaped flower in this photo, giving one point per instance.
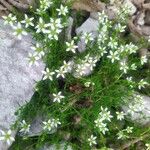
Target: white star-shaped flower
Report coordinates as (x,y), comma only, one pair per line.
(124,67)
(42,26)
(63,10)
(142,84)
(67,66)
(71,46)
(129,129)
(57,97)
(10,19)
(113,56)
(144,60)
(33,58)
(19,31)
(48,125)
(28,21)
(6,136)
(39,49)
(24,127)
(92,140)
(120,115)
(47,74)
(61,72)
(87,37)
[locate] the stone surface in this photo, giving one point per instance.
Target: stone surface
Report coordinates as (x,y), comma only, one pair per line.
(140,20)
(89,26)
(36,127)
(132,7)
(142,117)
(17,78)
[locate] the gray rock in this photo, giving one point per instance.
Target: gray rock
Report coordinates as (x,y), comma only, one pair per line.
(140,20)
(130,5)
(17,78)
(89,26)
(36,127)
(141,117)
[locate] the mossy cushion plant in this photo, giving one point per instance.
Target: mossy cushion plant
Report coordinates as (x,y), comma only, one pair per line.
(83,111)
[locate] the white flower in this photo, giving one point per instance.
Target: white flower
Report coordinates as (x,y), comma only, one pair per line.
(102,50)
(87,37)
(144,60)
(44,5)
(56,122)
(103,18)
(53,34)
(129,79)
(132,109)
(63,10)
(91,63)
(92,140)
(102,37)
(112,43)
(131,48)
(120,115)
(24,127)
(105,114)
(67,66)
(147,146)
(133,67)
(124,67)
(51,124)
(38,49)
(113,56)
(48,125)
(101,126)
(55,23)
(61,72)
(129,129)
(41,27)
(47,74)
(121,135)
(88,84)
(80,70)
(57,97)
(18,31)
(6,136)
(120,28)
(137,105)
(142,84)
(28,21)
(33,58)
(71,46)
(55,28)
(10,19)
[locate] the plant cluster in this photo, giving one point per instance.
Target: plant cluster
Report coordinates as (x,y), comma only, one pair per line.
(81,94)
